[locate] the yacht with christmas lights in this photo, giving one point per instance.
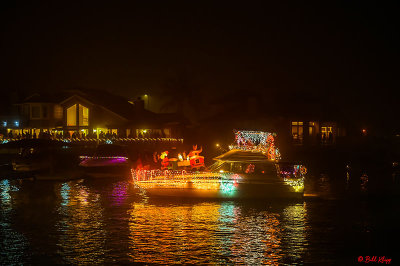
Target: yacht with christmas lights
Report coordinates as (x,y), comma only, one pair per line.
(109,160)
(249,170)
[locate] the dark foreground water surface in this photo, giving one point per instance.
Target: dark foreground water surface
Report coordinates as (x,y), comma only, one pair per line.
(110,222)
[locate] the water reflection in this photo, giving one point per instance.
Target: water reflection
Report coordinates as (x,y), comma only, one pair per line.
(215,232)
(5,194)
(11,241)
(119,193)
(81,222)
(294,220)
(81,225)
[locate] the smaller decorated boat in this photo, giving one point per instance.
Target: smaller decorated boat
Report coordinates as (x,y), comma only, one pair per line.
(109,160)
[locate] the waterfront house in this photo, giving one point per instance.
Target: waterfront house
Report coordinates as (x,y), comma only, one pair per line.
(95,113)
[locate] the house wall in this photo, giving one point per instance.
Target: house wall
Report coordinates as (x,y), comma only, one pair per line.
(313,132)
(40,115)
(99,117)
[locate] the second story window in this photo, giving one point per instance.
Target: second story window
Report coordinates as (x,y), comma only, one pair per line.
(311,128)
(38,111)
(297,131)
(78,115)
(83,116)
(71,115)
(326,134)
(35,112)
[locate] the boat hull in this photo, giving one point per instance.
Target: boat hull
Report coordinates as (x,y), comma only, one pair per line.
(106,171)
(105,167)
(242,191)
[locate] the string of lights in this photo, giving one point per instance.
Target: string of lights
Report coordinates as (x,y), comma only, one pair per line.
(103,157)
(68,140)
(226,182)
(257,141)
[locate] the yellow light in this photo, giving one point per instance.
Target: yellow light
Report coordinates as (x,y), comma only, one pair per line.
(298,188)
(221,171)
(217,145)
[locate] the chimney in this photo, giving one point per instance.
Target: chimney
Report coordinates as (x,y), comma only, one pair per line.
(139,104)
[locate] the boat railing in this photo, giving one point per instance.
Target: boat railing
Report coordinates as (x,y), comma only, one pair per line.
(141,175)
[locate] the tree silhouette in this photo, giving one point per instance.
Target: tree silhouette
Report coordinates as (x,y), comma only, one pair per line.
(182,94)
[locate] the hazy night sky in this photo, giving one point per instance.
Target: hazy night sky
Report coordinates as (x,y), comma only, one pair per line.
(346,51)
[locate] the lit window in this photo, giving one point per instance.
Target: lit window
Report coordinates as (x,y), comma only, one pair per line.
(326,133)
(297,130)
(297,123)
(83,116)
(71,115)
(311,128)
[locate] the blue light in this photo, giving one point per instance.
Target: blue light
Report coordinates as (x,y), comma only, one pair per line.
(65,188)
(227,187)
(5,191)
(4,123)
(108,141)
(16,123)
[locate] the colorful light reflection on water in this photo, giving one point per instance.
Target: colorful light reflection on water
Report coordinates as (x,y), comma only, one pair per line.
(110,222)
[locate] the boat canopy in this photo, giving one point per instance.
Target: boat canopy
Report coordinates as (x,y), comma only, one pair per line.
(243,157)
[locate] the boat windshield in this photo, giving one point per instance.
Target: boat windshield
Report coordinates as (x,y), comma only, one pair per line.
(248,168)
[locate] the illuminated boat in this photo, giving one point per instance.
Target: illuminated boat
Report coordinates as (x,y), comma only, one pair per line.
(109,160)
(249,170)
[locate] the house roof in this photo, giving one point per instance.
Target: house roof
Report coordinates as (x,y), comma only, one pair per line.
(46,97)
(112,102)
(136,114)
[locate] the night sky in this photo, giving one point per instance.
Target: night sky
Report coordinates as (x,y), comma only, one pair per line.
(346,52)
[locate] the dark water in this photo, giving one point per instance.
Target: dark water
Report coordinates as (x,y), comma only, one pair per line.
(110,222)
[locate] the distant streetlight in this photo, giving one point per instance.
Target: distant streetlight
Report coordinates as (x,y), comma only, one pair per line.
(148,100)
(364,132)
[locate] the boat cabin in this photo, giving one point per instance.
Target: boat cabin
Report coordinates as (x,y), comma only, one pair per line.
(244,162)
